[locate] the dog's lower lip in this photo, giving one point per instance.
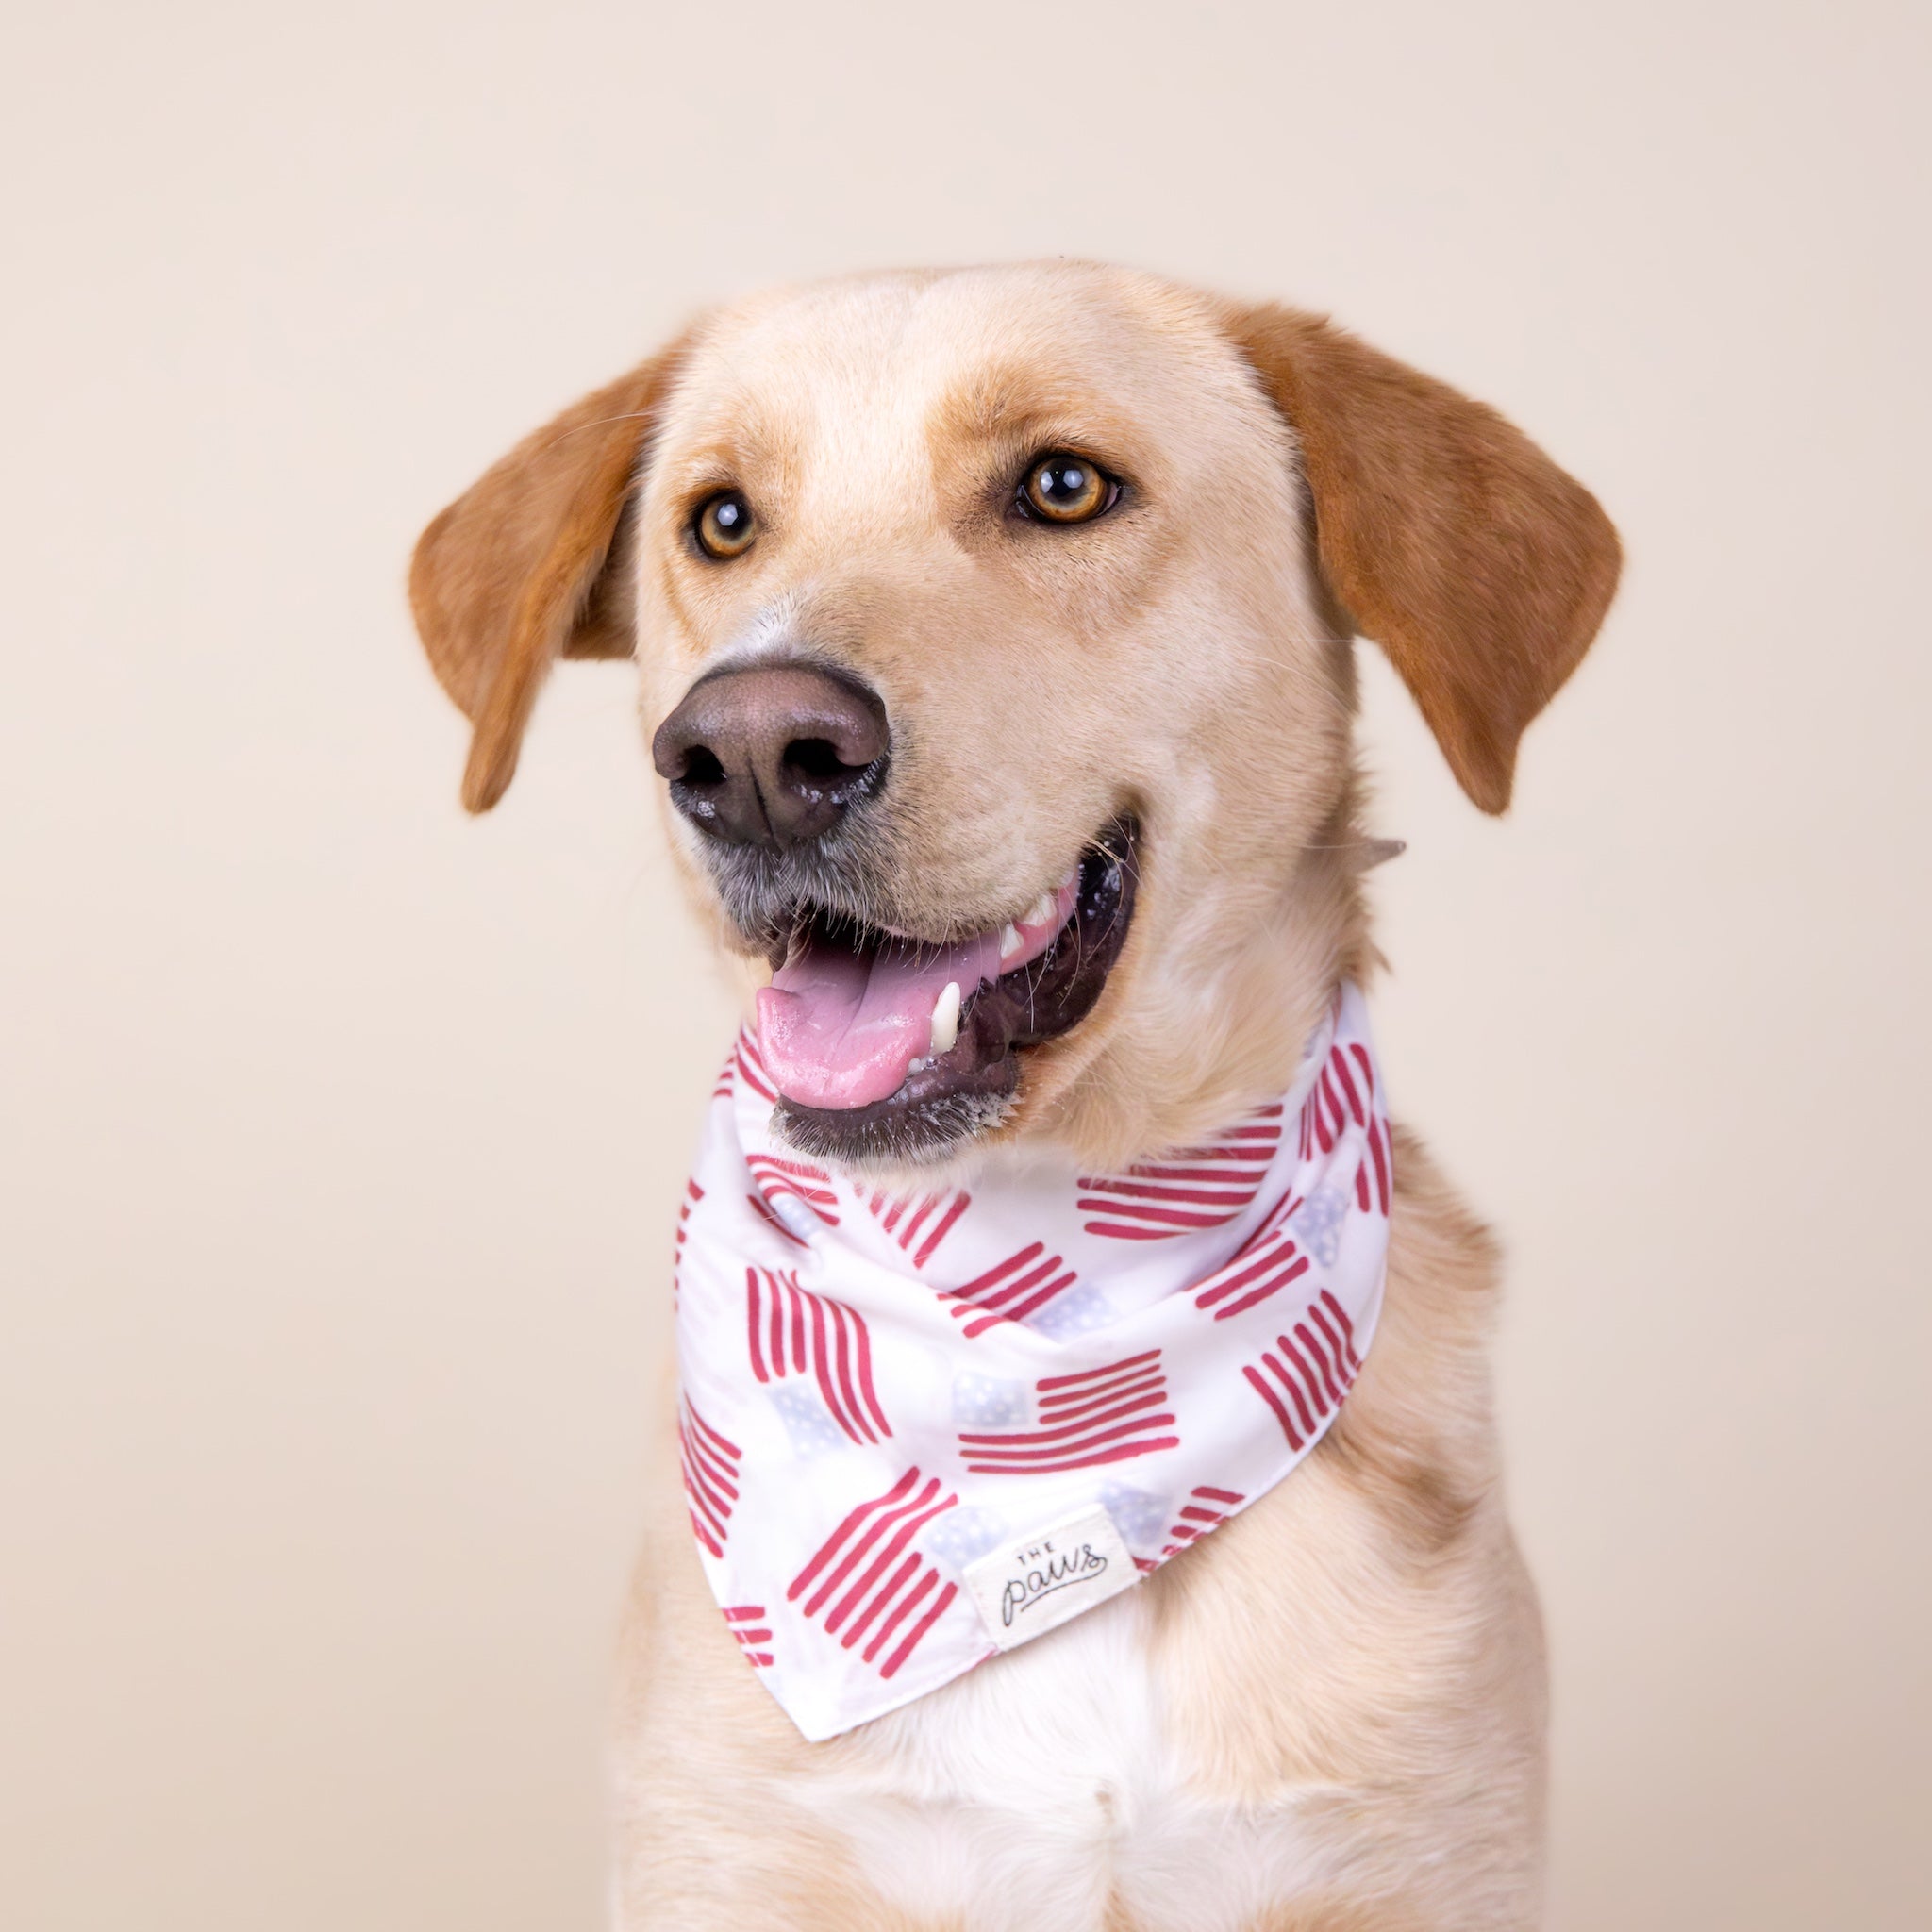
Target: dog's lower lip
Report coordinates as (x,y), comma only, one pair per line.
(951,1095)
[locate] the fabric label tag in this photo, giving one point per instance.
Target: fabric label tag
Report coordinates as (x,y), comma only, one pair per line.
(1039,1582)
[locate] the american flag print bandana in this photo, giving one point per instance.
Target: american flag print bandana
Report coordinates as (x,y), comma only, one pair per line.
(917,1429)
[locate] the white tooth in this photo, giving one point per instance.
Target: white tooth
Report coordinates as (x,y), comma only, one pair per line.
(945,1019)
(1042,910)
(1010,942)
(918,1066)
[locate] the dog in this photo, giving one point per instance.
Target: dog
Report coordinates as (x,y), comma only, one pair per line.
(987,602)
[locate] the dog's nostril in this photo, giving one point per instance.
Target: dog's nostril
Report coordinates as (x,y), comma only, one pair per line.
(815,757)
(702,766)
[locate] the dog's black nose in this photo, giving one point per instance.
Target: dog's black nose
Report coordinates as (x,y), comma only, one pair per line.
(773,754)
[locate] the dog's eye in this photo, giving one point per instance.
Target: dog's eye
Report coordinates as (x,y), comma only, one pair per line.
(725,526)
(1065,489)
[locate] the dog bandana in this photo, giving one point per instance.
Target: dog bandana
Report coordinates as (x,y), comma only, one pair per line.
(918,1429)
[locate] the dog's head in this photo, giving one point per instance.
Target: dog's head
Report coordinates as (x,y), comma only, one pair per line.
(995,630)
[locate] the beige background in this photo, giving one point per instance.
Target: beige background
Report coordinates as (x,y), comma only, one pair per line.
(340,1134)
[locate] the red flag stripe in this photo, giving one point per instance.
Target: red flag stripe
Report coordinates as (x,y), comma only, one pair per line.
(1320,1356)
(829,1547)
(811,1185)
(775,1185)
(975,1288)
(942,1229)
(1016,1288)
(1340,1062)
(1132,1361)
(1196,1519)
(975,1322)
(1347,1328)
(1298,1389)
(1308,1380)
(1059,1443)
(712,1435)
(1337,1354)
(802,1170)
(906,1604)
(1273,1402)
(789,1330)
(1115,1412)
(1034,1303)
(822,1370)
(1129,1370)
(714,1514)
(891,1667)
(1131,1192)
(905,1217)
(880,1527)
(1368,1067)
(739,1620)
(1020,1284)
(710,1475)
(753,1068)
(869,1536)
(927,1202)
(881,1597)
(1217,1180)
(1258,1262)
(1158,1220)
(705,1491)
(1063,1410)
(1273,1285)
(863,1363)
(902,1535)
(1119,1452)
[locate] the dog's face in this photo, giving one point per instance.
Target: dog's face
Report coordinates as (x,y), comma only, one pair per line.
(994,655)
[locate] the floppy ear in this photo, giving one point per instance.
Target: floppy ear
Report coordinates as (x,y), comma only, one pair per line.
(1446,534)
(518,570)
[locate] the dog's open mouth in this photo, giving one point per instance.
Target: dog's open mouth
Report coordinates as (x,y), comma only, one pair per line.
(883,1048)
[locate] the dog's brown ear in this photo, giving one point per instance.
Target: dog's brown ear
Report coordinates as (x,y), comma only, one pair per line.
(516,572)
(1445,534)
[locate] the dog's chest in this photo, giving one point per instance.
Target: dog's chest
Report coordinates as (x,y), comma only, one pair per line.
(1029,1791)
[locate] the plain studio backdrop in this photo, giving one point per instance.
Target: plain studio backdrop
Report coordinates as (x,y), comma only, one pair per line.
(341,1134)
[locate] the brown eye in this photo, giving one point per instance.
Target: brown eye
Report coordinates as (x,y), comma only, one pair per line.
(725,526)
(1065,489)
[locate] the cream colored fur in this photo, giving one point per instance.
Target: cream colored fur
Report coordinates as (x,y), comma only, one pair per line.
(1330,1716)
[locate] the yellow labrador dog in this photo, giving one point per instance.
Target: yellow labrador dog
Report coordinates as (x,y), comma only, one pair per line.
(944,585)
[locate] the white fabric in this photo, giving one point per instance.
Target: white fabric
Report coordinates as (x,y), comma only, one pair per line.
(919,1430)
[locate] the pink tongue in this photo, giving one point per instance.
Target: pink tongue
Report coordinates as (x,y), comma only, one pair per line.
(838,1028)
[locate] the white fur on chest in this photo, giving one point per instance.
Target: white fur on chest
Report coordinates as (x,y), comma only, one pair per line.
(1025,1792)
